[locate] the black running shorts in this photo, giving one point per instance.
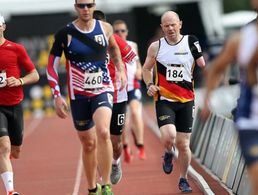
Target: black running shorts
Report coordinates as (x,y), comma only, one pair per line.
(118,118)
(176,113)
(11,123)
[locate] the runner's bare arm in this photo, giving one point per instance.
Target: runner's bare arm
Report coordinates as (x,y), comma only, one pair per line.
(150,61)
(31,77)
(252,69)
(201,62)
(115,54)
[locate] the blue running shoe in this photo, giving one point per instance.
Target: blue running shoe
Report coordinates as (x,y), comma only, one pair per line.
(167,163)
(184,186)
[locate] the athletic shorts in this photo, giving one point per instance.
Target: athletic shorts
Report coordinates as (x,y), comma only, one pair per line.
(134,94)
(176,113)
(248,140)
(118,118)
(11,123)
(83,109)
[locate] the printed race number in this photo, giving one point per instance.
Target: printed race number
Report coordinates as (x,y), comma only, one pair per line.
(93,80)
(2,79)
(174,73)
(120,119)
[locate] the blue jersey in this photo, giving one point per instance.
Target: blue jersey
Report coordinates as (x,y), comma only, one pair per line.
(86,64)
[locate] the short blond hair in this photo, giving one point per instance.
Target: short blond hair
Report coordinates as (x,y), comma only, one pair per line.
(119,22)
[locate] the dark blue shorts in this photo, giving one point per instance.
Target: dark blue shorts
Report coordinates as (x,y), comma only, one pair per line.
(134,94)
(248,140)
(11,123)
(83,109)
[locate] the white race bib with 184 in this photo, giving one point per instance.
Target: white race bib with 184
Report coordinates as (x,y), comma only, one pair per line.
(93,80)
(174,73)
(2,79)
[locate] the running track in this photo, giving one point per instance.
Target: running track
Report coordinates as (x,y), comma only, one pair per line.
(50,164)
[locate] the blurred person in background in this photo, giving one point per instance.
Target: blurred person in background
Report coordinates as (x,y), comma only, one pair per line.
(85,42)
(252,70)
(240,47)
(174,57)
(13,58)
(134,117)
(119,102)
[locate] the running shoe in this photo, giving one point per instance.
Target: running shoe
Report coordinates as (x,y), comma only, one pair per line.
(116,173)
(98,192)
(184,186)
(127,155)
(13,193)
(167,163)
(141,153)
(107,190)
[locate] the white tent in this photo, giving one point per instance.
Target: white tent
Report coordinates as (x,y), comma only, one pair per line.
(211,10)
(238,18)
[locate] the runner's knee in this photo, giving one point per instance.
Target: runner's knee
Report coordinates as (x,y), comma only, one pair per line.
(89,145)
(5,148)
(103,134)
(182,146)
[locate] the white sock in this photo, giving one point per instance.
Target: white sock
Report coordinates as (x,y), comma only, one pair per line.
(115,162)
(7,178)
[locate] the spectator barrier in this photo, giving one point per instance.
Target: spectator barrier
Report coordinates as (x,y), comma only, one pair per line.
(215,143)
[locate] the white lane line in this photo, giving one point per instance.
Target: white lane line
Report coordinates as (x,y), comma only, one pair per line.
(78,175)
(32,126)
(200,180)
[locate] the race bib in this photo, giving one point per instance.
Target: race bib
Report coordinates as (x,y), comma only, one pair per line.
(2,79)
(93,80)
(174,73)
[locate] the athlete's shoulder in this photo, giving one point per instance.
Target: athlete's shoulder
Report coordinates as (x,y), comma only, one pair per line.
(108,30)
(9,43)
(18,47)
(192,40)
(153,48)
(106,25)
(64,30)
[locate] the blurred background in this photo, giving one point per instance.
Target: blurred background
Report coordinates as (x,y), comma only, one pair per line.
(34,22)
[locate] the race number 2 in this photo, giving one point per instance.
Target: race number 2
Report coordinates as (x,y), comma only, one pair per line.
(93,80)
(174,72)
(2,79)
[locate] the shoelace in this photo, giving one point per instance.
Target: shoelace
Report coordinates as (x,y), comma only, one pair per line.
(115,168)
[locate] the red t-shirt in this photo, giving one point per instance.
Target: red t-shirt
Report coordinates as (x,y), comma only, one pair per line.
(13,57)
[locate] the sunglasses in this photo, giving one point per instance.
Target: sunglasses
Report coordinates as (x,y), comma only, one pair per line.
(121,30)
(83,5)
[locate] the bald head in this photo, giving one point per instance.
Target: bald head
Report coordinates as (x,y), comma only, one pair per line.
(170,15)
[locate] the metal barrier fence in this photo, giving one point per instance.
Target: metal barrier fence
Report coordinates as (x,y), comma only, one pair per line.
(215,144)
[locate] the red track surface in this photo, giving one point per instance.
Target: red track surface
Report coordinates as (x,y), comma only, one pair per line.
(50,163)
